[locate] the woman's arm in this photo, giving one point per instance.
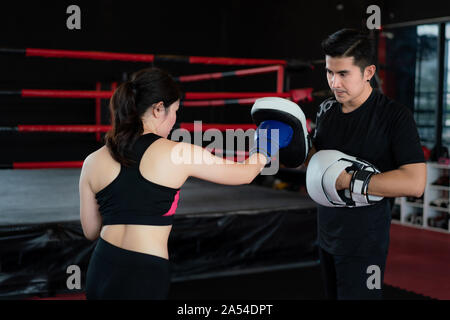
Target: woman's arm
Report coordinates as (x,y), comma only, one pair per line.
(91,220)
(200,163)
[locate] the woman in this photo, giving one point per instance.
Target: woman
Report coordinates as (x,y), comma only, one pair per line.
(129,189)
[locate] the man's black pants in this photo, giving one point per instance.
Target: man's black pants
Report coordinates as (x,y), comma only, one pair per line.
(353,277)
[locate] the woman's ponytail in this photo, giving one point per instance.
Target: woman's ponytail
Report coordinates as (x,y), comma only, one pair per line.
(127,123)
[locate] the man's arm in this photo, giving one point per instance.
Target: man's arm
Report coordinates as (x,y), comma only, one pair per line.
(406,181)
(310,154)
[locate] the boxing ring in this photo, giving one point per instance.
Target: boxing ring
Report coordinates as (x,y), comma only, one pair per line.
(218,229)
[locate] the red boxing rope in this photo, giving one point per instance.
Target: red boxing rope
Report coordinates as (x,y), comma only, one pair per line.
(217,103)
(218,126)
(47,165)
(78,94)
(280,80)
(81,94)
(93,55)
(234,61)
(63,128)
(233,95)
(241,97)
(105,128)
(138,57)
(220,75)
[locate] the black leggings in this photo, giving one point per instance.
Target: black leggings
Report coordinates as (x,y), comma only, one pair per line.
(346,277)
(116,273)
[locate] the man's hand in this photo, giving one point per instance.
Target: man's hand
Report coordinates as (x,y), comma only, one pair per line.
(343,181)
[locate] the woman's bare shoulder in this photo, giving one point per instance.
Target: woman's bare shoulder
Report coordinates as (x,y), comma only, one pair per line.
(100,168)
(99,159)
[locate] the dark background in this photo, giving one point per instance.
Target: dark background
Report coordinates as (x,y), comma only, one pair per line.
(248,29)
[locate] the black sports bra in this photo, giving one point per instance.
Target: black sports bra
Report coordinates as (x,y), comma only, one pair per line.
(132,199)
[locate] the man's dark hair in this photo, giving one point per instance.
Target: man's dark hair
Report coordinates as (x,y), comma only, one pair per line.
(351,43)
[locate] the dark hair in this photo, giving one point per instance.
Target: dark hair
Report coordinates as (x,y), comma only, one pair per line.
(351,43)
(130,101)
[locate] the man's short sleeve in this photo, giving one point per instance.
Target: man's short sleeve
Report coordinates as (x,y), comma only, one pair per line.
(323,108)
(406,146)
(313,134)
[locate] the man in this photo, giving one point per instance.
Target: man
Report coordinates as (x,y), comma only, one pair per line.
(361,122)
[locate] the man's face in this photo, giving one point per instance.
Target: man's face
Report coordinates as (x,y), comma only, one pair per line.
(344,78)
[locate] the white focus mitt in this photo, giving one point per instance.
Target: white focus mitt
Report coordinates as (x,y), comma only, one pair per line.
(324,169)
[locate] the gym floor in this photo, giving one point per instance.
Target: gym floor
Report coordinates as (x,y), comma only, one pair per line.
(294,284)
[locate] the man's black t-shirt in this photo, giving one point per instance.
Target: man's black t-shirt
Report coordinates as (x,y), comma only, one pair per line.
(382,132)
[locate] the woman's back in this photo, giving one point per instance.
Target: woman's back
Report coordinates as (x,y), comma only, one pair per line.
(154,167)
